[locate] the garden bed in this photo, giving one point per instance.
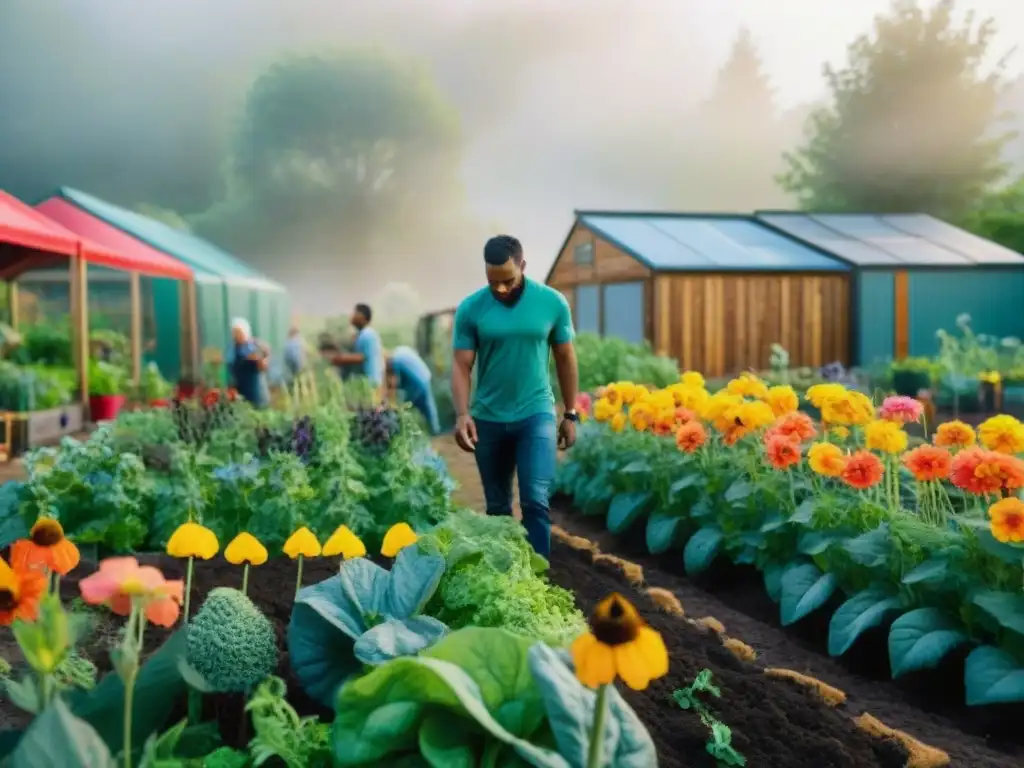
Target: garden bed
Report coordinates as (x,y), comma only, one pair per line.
(928,708)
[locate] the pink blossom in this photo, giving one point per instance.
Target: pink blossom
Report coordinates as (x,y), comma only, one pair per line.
(121,580)
(583,403)
(901,409)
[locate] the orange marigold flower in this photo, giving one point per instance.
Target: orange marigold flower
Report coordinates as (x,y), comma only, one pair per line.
(734,434)
(20,592)
(1011,471)
(47,548)
(782,452)
(863,470)
(928,462)
(797,425)
(977,471)
(691,436)
(664,425)
(1007,520)
(684,415)
(954,434)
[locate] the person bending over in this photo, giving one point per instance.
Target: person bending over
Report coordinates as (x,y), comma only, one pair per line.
(412,376)
(507,330)
(249,362)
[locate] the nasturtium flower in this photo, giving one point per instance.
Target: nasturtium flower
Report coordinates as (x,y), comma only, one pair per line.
(21,588)
(863,470)
(928,463)
(120,581)
(782,452)
(245,549)
(345,543)
(193,540)
(398,537)
(619,644)
(691,436)
(826,459)
(1006,518)
(1002,434)
(302,543)
(782,399)
(45,547)
(885,436)
(955,434)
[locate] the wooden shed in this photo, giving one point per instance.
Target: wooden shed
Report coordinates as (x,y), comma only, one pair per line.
(912,275)
(713,291)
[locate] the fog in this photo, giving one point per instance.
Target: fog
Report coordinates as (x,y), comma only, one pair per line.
(562,104)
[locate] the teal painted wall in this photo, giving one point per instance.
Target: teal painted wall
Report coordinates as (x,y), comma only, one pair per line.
(876,318)
(993,298)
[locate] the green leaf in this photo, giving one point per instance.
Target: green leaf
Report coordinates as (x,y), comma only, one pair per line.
(773,580)
(1008,553)
(739,490)
(813,543)
(58,739)
(1005,608)
(932,571)
(993,676)
(921,639)
(663,531)
(398,637)
(804,513)
(637,467)
(861,612)
(804,589)
(446,741)
(625,509)
(773,522)
(701,550)
(680,485)
(871,549)
(158,688)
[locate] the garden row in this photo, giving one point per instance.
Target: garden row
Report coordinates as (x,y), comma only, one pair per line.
(922,541)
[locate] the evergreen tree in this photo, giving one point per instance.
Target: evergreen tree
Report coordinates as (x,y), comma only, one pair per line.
(912,124)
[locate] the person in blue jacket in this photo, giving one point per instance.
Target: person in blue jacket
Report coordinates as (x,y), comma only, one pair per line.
(412,378)
(248,364)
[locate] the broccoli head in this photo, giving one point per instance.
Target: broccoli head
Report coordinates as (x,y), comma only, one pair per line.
(231,643)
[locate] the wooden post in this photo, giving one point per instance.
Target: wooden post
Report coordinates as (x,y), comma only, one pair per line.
(901,310)
(135,293)
(193,324)
(12,303)
(80,321)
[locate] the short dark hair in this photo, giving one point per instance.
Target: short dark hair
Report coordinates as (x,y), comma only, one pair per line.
(501,248)
(365,311)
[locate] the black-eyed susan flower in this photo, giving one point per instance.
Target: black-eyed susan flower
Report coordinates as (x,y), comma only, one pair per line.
(398,537)
(345,543)
(619,644)
(192,540)
(245,549)
(46,547)
(300,545)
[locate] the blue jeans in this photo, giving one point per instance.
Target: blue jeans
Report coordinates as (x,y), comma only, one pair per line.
(423,401)
(529,445)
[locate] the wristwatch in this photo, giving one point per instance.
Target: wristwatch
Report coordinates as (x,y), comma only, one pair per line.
(571,415)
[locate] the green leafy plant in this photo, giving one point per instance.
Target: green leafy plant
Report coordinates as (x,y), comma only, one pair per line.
(106,379)
(364,615)
(298,742)
(719,744)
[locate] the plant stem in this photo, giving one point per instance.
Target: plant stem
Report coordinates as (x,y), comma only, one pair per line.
(129,700)
(45,691)
(245,579)
(594,758)
(188,590)
(298,578)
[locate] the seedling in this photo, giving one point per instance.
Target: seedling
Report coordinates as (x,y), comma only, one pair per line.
(719,744)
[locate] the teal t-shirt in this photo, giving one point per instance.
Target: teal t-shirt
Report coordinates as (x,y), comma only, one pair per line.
(511,345)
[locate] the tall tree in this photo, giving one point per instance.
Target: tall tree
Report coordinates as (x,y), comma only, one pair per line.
(735,138)
(911,122)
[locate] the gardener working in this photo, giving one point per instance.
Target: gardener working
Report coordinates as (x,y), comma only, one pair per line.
(413,379)
(368,353)
(248,364)
(507,329)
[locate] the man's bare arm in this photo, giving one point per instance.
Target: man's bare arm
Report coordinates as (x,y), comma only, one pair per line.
(462,371)
(568,373)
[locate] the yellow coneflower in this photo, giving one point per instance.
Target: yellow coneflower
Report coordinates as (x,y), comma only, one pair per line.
(345,543)
(192,540)
(245,549)
(399,536)
(300,545)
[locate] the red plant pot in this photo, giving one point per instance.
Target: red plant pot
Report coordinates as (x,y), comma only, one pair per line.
(160,403)
(105,407)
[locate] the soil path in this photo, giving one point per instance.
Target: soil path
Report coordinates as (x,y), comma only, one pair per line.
(892,704)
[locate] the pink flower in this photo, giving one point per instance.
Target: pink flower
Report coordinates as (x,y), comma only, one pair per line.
(901,409)
(584,403)
(120,580)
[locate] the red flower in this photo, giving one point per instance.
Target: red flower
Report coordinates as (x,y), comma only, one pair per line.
(782,452)
(863,470)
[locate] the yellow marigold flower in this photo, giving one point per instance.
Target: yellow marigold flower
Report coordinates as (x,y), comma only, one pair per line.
(782,400)
(303,542)
(692,379)
(748,385)
(751,414)
(717,407)
(345,543)
(1007,520)
(955,434)
(193,540)
(605,409)
(619,644)
(618,422)
(1002,434)
(398,537)
(612,394)
(885,436)
(691,398)
(641,416)
(627,391)
(820,394)
(245,548)
(840,433)
(826,459)
(848,409)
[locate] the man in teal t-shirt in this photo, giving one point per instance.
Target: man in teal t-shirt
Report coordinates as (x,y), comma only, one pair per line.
(508,329)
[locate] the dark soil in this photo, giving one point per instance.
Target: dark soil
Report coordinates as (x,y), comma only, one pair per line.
(773,723)
(929,708)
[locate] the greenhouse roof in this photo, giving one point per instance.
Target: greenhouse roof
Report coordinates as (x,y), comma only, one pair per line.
(893,240)
(676,242)
(193,250)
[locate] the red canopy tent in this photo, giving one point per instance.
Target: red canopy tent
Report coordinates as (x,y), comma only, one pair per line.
(31,239)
